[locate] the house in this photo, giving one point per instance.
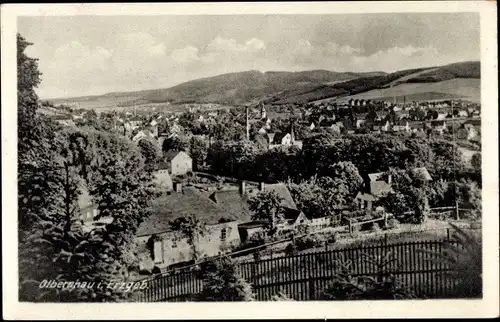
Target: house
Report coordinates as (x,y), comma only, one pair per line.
(283,139)
(401,126)
(179,162)
(438,126)
(312,126)
(142,134)
(471,131)
(377,185)
(360,123)
(135,122)
(238,203)
(162,177)
(383,126)
(167,247)
(89,211)
(262,131)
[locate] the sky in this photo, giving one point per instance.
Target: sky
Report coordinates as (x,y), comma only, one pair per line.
(93,55)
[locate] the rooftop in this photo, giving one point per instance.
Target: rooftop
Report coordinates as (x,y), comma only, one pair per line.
(171,206)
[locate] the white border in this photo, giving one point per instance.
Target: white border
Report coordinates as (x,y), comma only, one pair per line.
(488,307)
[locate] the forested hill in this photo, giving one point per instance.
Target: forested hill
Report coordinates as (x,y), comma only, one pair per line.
(282,87)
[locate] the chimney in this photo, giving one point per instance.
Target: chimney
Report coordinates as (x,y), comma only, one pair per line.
(178,187)
(389,178)
(242,187)
(246,123)
(261,186)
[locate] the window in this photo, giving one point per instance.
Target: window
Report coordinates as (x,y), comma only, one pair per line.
(174,242)
(223,234)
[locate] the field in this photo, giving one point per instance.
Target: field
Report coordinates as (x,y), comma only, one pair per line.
(465,88)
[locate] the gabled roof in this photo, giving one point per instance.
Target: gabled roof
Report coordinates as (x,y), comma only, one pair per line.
(162,166)
(234,202)
(378,188)
(422,173)
(375,176)
(284,193)
(365,196)
(171,154)
(190,202)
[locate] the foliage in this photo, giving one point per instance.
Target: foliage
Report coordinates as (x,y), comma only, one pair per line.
(476,160)
(176,143)
(198,151)
(346,287)
(150,151)
(192,229)
(464,259)
(267,205)
(55,167)
(223,283)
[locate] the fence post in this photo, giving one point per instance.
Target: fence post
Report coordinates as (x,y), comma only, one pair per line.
(385,239)
(326,246)
(448,234)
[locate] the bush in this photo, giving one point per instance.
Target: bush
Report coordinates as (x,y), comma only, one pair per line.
(257,256)
(376,227)
(392,223)
(291,250)
(308,242)
(332,239)
(222,282)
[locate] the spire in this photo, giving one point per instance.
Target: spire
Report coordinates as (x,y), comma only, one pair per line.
(263,113)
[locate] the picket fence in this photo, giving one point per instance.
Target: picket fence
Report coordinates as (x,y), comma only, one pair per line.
(303,277)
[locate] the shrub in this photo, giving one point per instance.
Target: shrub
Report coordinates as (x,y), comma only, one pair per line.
(392,223)
(346,287)
(376,227)
(465,262)
(222,282)
(308,242)
(332,239)
(291,250)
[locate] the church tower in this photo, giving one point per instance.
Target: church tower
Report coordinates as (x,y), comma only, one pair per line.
(263,113)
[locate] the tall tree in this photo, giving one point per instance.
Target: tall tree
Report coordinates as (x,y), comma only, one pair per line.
(267,205)
(192,229)
(150,151)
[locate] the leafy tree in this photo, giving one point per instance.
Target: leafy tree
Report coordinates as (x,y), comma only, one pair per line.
(267,205)
(222,282)
(176,143)
(192,229)
(55,166)
(476,160)
(198,151)
(347,173)
(150,151)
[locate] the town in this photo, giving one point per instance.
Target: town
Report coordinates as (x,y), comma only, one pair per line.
(310,185)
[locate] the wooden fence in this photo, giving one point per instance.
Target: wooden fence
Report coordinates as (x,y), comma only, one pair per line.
(303,277)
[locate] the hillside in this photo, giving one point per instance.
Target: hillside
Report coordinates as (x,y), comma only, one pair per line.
(458,88)
(277,87)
